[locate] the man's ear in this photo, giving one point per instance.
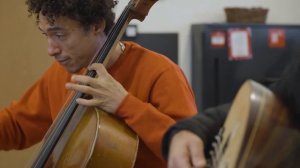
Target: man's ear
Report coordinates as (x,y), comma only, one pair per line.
(99,27)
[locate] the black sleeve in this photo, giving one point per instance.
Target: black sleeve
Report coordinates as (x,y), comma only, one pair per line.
(287,89)
(206,125)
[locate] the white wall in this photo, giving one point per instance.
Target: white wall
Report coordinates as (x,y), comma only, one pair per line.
(178,15)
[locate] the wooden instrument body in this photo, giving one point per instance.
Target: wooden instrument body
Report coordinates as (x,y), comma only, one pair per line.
(99,140)
(257,132)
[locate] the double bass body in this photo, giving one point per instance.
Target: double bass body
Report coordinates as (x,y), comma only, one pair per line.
(99,140)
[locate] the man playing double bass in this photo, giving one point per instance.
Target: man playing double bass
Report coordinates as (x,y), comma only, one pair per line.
(143,88)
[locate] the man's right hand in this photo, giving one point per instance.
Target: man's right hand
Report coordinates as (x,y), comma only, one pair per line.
(186,150)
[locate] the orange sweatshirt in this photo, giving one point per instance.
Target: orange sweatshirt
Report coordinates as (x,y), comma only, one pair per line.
(159,95)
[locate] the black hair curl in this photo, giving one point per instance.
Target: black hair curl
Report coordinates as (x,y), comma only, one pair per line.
(86,12)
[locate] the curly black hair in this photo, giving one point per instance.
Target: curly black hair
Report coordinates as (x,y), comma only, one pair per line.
(86,12)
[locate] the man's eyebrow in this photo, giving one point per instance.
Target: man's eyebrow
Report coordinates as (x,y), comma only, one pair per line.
(54,28)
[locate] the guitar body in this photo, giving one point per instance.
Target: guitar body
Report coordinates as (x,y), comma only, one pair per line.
(257,132)
(95,139)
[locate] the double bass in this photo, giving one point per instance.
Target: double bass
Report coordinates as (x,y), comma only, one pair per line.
(89,137)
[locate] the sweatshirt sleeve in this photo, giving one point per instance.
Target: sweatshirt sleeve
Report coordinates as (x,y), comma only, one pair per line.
(170,99)
(24,122)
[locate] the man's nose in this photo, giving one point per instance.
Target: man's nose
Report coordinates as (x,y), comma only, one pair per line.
(53,48)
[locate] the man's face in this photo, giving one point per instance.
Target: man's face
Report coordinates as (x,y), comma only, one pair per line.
(71,45)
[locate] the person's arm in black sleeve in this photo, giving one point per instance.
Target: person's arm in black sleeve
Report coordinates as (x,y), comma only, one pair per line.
(287,89)
(205,125)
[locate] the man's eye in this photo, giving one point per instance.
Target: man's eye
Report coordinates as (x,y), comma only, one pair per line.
(44,34)
(60,36)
